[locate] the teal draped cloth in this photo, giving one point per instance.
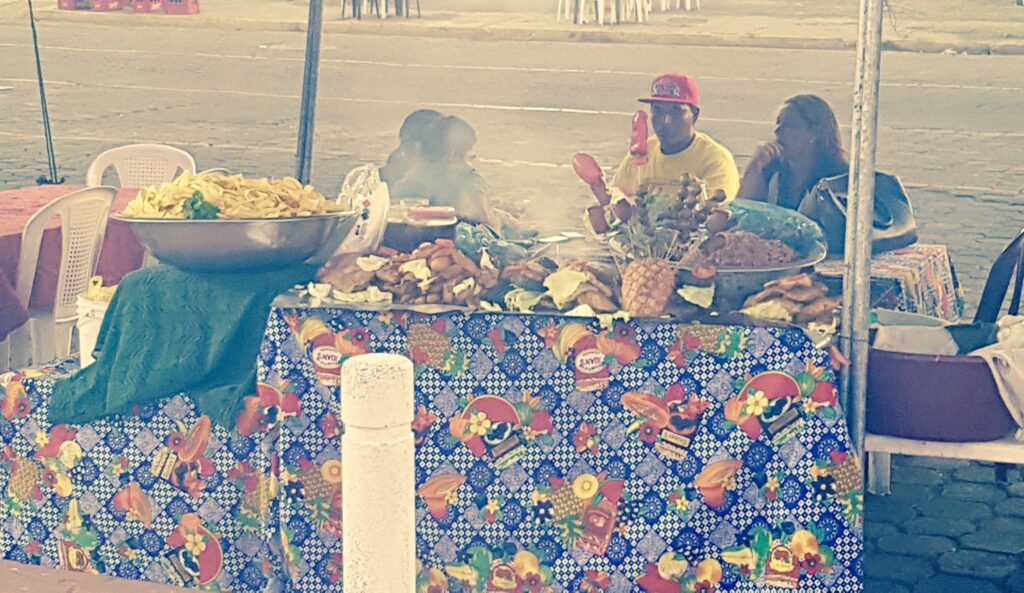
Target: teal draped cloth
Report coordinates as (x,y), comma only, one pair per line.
(168,331)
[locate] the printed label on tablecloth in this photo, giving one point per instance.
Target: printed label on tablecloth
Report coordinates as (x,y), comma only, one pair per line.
(327,362)
(592,373)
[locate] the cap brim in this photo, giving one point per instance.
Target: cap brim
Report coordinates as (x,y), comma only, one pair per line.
(665,100)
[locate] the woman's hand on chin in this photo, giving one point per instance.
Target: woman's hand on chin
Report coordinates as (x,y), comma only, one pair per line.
(765,155)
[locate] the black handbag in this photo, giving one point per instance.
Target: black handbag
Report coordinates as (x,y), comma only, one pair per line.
(894,224)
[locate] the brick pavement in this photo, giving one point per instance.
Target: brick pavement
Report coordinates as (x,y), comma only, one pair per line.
(947,527)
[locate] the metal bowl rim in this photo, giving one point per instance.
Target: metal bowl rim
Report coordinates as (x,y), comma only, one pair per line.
(807,261)
(123,218)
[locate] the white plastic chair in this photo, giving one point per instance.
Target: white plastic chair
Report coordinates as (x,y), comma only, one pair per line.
(83,222)
(139,165)
(563,12)
(638,9)
(582,9)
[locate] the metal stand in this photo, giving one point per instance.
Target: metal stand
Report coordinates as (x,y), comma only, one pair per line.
(304,153)
(51,157)
(860,211)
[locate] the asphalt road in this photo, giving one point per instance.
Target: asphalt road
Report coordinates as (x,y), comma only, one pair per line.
(951,127)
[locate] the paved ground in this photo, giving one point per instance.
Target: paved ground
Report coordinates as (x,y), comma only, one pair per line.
(973,26)
(949,527)
(18,578)
(950,127)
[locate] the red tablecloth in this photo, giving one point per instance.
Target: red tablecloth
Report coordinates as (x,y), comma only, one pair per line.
(121,252)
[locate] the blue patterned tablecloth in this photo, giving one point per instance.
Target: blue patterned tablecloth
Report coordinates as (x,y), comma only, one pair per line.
(553,454)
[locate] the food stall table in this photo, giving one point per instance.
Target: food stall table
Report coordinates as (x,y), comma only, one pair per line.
(121,251)
(553,453)
(158,495)
(915,279)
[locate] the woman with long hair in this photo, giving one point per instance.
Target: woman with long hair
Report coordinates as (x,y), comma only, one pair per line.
(808,146)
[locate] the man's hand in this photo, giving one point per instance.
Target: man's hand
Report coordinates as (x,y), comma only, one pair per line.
(766,154)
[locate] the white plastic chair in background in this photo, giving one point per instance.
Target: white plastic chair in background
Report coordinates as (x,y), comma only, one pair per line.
(637,9)
(83,222)
(667,5)
(588,10)
(563,11)
(139,165)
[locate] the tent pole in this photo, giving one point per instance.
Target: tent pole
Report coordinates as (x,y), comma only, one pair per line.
(850,271)
(304,153)
(51,158)
(857,279)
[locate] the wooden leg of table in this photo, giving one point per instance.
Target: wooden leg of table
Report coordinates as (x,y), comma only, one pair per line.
(62,339)
(879,473)
(20,344)
(5,355)
(1002,472)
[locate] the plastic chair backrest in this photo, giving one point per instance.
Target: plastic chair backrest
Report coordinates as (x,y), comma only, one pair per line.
(368,195)
(83,222)
(139,165)
(1009,264)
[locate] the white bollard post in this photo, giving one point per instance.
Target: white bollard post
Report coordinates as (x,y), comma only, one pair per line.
(378,475)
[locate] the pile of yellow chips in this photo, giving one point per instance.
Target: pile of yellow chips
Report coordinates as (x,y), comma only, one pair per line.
(234,195)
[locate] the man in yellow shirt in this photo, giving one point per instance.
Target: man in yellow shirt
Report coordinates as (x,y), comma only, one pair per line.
(678,148)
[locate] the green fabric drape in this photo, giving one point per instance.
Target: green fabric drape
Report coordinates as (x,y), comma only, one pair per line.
(168,331)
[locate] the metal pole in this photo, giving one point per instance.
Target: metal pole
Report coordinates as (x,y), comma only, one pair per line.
(849,298)
(51,157)
(857,280)
(304,154)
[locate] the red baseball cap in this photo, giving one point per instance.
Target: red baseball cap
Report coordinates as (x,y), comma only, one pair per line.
(674,88)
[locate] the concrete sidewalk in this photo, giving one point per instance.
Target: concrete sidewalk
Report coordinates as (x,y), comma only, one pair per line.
(963,26)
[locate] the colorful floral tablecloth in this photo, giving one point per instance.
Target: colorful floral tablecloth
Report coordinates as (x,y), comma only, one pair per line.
(553,454)
(916,279)
(160,495)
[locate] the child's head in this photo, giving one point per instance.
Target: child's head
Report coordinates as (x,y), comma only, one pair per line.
(449,139)
(414,128)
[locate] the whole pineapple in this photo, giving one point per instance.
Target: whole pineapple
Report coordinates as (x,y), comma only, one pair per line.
(647,285)
(648,280)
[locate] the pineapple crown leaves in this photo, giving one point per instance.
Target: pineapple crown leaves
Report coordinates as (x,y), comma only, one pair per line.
(644,234)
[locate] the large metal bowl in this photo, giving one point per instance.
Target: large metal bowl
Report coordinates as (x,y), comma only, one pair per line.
(241,244)
(734,285)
